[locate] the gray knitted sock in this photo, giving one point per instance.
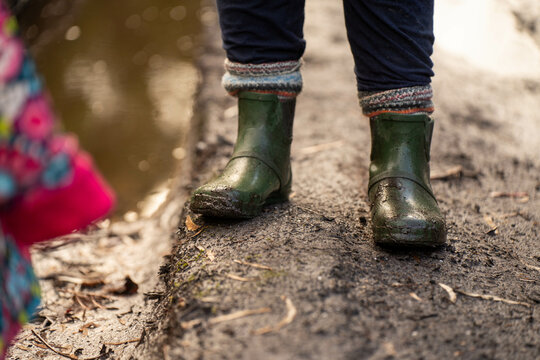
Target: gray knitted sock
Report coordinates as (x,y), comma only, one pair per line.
(280,78)
(408,100)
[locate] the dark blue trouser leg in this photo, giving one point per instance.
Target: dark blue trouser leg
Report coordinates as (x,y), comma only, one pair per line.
(391,41)
(262,31)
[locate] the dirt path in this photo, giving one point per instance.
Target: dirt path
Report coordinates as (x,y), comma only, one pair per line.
(319,288)
(325,291)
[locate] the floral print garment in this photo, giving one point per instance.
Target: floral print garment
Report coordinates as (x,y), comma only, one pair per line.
(19,291)
(48,186)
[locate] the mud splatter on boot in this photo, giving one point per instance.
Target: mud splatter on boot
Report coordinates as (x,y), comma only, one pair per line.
(404,211)
(259,171)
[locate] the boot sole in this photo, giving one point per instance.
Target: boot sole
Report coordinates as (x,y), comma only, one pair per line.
(407,238)
(216,205)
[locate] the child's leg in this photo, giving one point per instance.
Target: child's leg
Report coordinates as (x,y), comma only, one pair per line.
(264,43)
(392,42)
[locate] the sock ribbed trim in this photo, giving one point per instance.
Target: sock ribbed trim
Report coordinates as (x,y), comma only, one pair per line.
(281,78)
(408,100)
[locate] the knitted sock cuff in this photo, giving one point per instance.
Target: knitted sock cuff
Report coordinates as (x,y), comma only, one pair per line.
(281,78)
(408,100)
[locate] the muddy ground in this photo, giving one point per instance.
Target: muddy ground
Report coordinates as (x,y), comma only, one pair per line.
(304,280)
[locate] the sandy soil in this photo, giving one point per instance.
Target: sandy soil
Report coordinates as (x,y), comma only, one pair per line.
(322,290)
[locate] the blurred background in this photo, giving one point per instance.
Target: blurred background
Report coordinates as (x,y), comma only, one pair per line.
(122,78)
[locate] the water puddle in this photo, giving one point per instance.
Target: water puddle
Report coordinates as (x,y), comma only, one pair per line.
(122,78)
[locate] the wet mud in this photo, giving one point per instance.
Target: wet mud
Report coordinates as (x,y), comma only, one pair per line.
(304,280)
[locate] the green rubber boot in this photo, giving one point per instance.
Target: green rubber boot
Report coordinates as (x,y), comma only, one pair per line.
(404,211)
(259,171)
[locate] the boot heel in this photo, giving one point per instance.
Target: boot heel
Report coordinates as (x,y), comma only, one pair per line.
(282,195)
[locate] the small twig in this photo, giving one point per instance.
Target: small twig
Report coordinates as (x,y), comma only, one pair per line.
(84,329)
(69,356)
(79,301)
(494,298)
(186,325)
(96,304)
(258,266)
(451,293)
(198,232)
(123,342)
(291,314)
(454,172)
(56,244)
(500,194)
(531,266)
(239,278)
(238,315)
(87,294)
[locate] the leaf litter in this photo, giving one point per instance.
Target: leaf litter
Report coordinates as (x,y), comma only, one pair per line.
(190,225)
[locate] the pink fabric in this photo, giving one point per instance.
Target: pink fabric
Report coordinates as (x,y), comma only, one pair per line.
(45,214)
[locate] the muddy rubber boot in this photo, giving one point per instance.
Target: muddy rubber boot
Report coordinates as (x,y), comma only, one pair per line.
(259,171)
(404,211)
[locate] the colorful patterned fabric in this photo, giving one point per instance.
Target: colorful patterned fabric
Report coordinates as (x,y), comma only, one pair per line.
(19,290)
(408,100)
(28,155)
(48,186)
(280,78)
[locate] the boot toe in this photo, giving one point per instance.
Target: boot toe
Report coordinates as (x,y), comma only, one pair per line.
(404,214)
(409,231)
(222,201)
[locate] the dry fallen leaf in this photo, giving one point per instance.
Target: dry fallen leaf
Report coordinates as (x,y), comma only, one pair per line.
(493,227)
(451,293)
(190,225)
(415,297)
